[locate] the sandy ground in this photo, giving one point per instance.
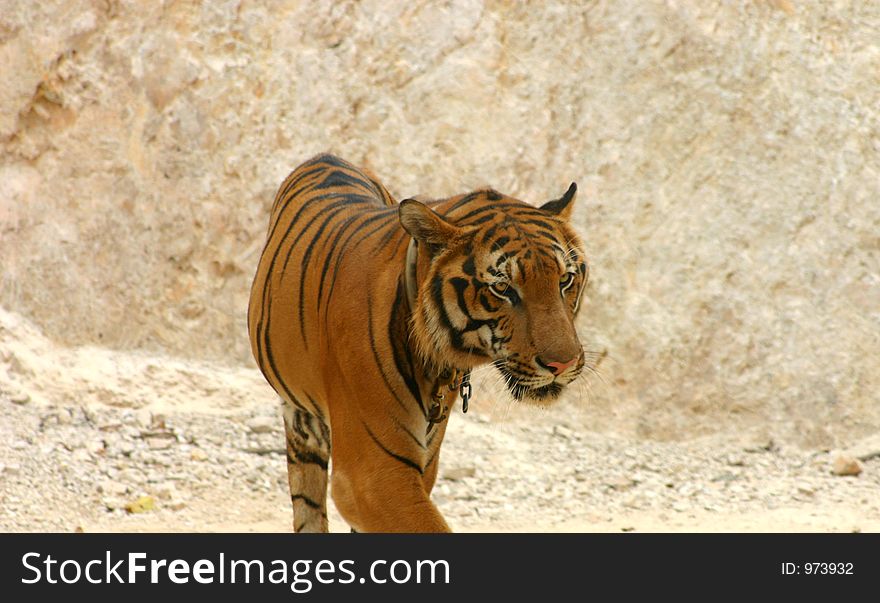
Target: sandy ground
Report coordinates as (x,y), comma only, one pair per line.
(95,440)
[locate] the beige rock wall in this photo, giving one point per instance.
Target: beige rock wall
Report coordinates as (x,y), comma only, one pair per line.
(728,156)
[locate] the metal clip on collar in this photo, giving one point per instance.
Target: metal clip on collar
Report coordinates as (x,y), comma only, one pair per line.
(464,391)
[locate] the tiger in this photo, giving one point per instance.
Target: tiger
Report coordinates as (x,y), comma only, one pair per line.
(367,315)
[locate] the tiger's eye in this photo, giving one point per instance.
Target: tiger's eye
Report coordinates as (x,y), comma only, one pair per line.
(566,280)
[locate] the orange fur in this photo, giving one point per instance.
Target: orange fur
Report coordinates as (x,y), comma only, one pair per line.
(332,329)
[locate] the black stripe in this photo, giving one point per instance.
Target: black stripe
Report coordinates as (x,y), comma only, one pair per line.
(463,201)
(398,337)
(302,497)
(377,358)
(311,429)
(482,220)
(268,346)
(383,192)
(513,207)
(307,255)
(473,324)
(341,179)
(455,336)
(402,459)
(341,252)
(468,266)
(297,425)
(545,224)
(293,180)
(329,253)
(295,456)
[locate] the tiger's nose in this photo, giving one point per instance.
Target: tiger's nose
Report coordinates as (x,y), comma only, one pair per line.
(557,368)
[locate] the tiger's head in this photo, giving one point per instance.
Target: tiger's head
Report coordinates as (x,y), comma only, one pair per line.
(499,281)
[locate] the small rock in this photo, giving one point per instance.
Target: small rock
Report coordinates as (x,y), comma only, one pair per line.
(95,447)
(158,422)
(160,443)
(459,473)
(762,445)
(734,460)
(846,465)
(176,505)
(165,491)
(130,475)
(112,503)
(125,448)
(198,454)
(19,445)
(112,488)
(263,424)
(619,483)
(12,469)
(806,489)
(19,398)
(143,417)
(563,432)
(143,504)
(727,476)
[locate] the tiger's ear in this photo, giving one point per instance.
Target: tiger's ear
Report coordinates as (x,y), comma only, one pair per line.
(425,225)
(562,207)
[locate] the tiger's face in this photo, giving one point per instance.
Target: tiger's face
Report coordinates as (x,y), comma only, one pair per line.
(501,283)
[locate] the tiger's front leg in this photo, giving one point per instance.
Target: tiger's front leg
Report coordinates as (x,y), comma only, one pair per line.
(381,483)
(308,455)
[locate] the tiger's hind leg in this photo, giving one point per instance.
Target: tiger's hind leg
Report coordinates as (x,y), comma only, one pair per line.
(308,454)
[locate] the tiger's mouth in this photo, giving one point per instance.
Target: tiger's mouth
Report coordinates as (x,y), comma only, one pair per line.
(522,387)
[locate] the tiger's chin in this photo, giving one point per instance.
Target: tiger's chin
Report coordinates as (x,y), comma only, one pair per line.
(521,391)
(545,394)
(530,394)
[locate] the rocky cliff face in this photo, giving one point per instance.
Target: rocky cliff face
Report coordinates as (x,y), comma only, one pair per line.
(728,156)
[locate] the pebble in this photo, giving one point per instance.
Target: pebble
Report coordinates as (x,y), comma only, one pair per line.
(806,489)
(264,424)
(620,483)
(160,443)
(563,432)
(125,447)
(166,491)
(11,469)
(459,473)
(19,398)
(143,417)
(846,466)
(198,454)
(143,504)
(112,488)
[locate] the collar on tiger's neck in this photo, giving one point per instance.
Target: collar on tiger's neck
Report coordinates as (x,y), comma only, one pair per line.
(409,273)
